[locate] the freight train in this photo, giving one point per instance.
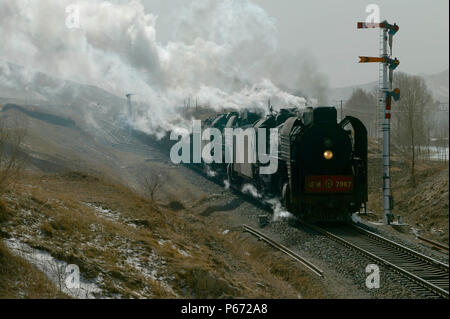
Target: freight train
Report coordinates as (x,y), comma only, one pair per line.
(322,163)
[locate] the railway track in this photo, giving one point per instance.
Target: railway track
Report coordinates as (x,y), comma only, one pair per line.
(435,244)
(317,271)
(423,274)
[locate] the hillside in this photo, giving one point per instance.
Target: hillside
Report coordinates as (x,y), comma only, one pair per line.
(129,247)
(85,104)
(423,206)
(79,202)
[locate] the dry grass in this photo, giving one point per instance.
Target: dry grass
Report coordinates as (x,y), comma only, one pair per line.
(20,280)
(5,214)
(190,255)
(424,206)
(139,247)
(12,159)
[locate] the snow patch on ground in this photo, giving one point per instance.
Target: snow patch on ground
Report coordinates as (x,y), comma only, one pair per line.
(150,267)
(161,242)
(55,270)
(104,212)
(111,215)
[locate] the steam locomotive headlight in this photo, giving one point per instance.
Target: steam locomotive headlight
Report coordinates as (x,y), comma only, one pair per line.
(328,155)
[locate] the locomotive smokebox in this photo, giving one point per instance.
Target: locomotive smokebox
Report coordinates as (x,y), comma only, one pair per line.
(325,114)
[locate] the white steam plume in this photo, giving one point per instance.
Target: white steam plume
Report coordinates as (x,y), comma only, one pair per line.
(251,190)
(223,53)
(279,212)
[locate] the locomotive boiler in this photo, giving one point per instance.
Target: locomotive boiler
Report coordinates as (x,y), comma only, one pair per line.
(322,163)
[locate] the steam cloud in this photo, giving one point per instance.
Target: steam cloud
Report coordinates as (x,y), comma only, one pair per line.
(251,190)
(224,53)
(279,212)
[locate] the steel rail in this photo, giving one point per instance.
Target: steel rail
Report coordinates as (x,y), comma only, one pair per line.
(405,273)
(401,247)
(399,269)
(283,249)
(434,243)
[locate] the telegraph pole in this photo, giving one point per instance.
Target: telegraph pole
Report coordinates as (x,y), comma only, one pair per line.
(130,108)
(389,65)
(341,103)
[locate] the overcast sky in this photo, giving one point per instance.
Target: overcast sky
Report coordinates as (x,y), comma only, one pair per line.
(328,29)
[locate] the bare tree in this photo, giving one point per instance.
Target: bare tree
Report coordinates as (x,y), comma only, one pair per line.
(440,132)
(411,117)
(363,105)
(58,271)
(12,135)
(152,184)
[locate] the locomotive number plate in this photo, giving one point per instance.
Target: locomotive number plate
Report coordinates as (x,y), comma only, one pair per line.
(329,184)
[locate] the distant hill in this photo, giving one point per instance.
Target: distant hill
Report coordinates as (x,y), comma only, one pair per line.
(24,86)
(438,84)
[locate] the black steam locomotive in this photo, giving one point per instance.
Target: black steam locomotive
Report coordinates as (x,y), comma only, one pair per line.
(322,164)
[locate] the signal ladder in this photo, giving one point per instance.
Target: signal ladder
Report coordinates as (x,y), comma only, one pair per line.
(380,104)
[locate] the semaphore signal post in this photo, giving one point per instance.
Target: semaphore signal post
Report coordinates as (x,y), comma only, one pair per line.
(387,94)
